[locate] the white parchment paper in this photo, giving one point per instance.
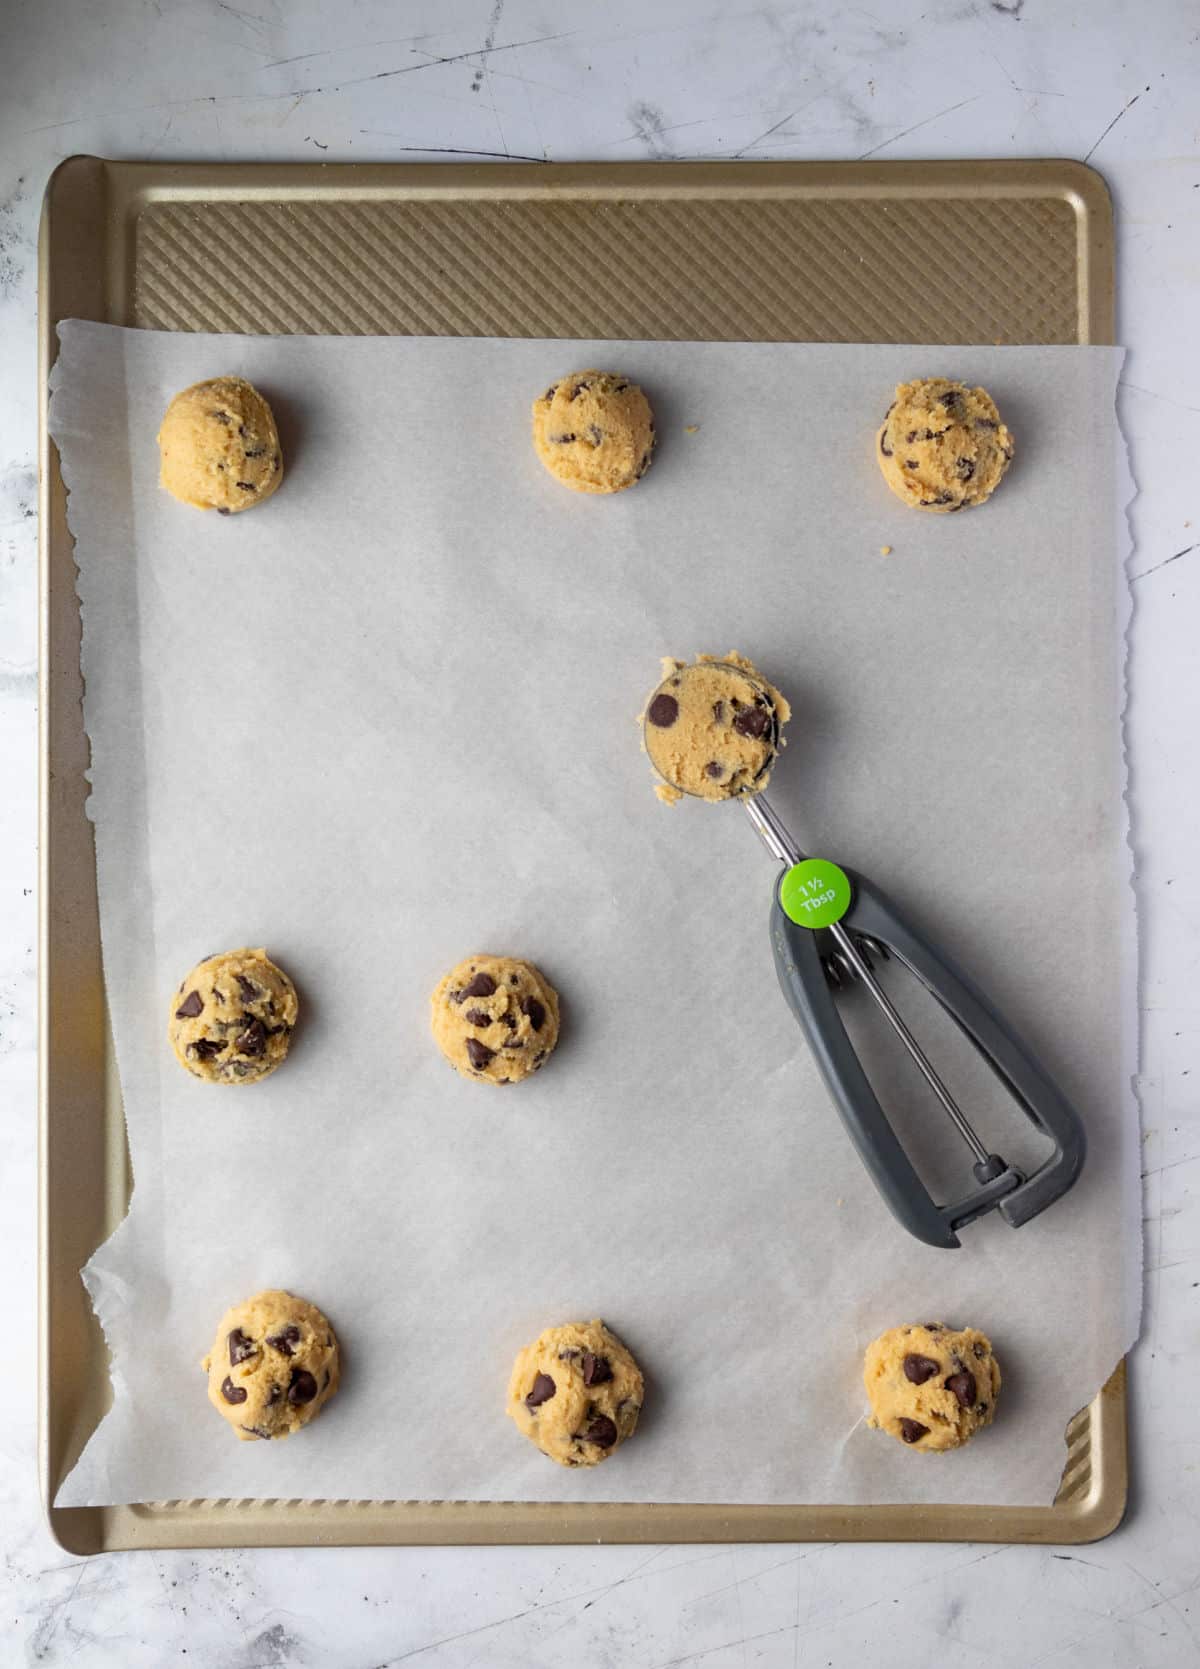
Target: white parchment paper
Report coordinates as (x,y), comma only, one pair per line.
(388,720)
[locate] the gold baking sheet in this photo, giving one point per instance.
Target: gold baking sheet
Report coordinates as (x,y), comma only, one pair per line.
(949,252)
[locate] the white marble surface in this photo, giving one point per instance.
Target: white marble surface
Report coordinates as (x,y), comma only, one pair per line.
(1105,80)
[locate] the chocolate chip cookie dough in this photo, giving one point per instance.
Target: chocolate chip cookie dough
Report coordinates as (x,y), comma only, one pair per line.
(273,1366)
(594,431)
(219,446)
(232,1018)
(576,1392)
(930,1385)
(713,728)
(942,445)
(495,1018)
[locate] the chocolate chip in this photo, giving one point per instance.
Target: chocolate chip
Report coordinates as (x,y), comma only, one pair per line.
(719,711)
(247,987)
(233,1393)
(620,388)
(561,440)
(663,711)
(534,1012)
(325,1381)
(190,1006)
(206,1049)
(597,1370)
(940,498)
(254,451)
(912,1431)
(910,463)
(912,435)
(569,1354)
(273,1395)
(478,1053)
(752,722)
(714,769)
(543,1389)
(1007,451)
(246,486)
(965,468)
(950,398)
(303,1387)
(596,433)
(478,1017)
(285,1341)
(578,389)
(252,1041)
(984,423)
(258,1431)
(240,1347)
(550,392)
(963,1386)
(601,1431)
(483,985)
(980,1351)
(221,416)
(917,1369)
(932,1326)
(275,463)
(222,512)
(883,445)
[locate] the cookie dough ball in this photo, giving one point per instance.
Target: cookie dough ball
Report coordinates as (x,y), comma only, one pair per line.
(713,729)
(594,431)
(219,446)
(932,1386)
(495,1018)
(273,1366)
(942,445)
(232,1018)
(576,1392)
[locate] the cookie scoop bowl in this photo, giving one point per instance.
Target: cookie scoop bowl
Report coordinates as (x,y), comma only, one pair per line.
(712,730)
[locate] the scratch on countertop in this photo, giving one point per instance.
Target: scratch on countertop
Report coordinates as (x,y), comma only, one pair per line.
(448,150)
(1127,106)
(1153,394)
(430,62)
(949,110)
(1166,562)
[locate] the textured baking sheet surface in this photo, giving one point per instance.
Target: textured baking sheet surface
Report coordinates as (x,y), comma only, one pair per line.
(99,220)
(784,269)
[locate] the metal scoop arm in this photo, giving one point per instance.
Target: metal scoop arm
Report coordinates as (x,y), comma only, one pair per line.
(800,966)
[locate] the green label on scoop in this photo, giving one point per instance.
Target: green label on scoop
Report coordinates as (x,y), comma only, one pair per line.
(815,893)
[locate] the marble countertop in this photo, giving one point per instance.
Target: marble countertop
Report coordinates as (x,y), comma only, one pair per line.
(1099,80)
